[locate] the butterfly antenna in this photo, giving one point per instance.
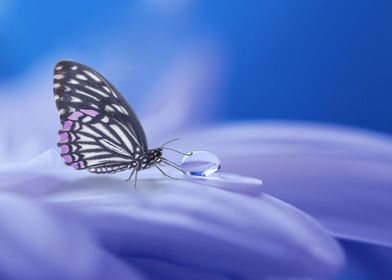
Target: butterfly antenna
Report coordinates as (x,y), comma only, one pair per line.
(168,142)
(181,153)
(163,173)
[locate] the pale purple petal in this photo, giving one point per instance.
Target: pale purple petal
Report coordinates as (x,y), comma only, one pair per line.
(341,176)
(157,269)
(195,227)
(46,242)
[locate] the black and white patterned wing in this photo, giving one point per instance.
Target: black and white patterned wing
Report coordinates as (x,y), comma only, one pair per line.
(100,131)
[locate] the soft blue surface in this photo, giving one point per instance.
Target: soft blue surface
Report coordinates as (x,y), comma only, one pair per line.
(366,262)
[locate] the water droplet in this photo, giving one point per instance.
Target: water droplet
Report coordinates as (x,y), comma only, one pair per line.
(201,163)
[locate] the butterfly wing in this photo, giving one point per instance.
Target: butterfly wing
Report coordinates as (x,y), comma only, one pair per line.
(100,131)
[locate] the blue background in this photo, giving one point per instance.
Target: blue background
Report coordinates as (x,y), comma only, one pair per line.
(328,61)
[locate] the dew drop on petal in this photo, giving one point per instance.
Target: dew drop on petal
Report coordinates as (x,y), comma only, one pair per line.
(201,163)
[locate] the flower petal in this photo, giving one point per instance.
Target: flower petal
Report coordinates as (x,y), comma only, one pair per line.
(340,176)
(46,242)
(197,227)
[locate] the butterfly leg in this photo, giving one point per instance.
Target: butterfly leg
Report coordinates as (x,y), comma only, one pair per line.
(130,177)
(172,164)
(135,180)
(163,173)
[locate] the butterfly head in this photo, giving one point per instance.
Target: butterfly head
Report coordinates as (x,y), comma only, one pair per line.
(154,155)
(157,153)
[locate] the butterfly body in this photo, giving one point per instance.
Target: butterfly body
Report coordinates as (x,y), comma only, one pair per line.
(100,132)
(151,158)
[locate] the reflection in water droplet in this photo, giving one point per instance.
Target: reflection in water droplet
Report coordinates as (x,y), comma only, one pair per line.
(201,163)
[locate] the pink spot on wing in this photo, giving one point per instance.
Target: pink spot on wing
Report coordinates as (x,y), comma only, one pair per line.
(64,149)
(67,125)
(67,159)
(78,165)
(75,116)
(90,112)
(75,165)
(64,137)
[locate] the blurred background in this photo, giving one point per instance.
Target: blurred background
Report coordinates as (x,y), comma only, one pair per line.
(327,61)
(216,61)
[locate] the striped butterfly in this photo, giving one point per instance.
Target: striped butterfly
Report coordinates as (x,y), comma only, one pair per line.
(100,132)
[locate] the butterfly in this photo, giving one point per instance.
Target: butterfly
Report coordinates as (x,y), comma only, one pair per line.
(100,131)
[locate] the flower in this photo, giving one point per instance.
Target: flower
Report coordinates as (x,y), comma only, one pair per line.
(171,229)
(42,241)
(339,175)
(193,229)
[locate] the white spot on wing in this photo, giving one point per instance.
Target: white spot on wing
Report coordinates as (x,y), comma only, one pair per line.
(59,67)
(85,138)
(87,94)
(105,119)
(97,91)
(86,147)
(56,85)
(123,137)
(107,160)
(106,88)
(121,109)
(88,130)
(109,108)
(61,111)
(81,77)
(88,155)
(59,76)
(113,147)
(72,136)
(75,99)
(131,134)
(87,119)
(95,77)
(72,81)
(74,67)
(103,129)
